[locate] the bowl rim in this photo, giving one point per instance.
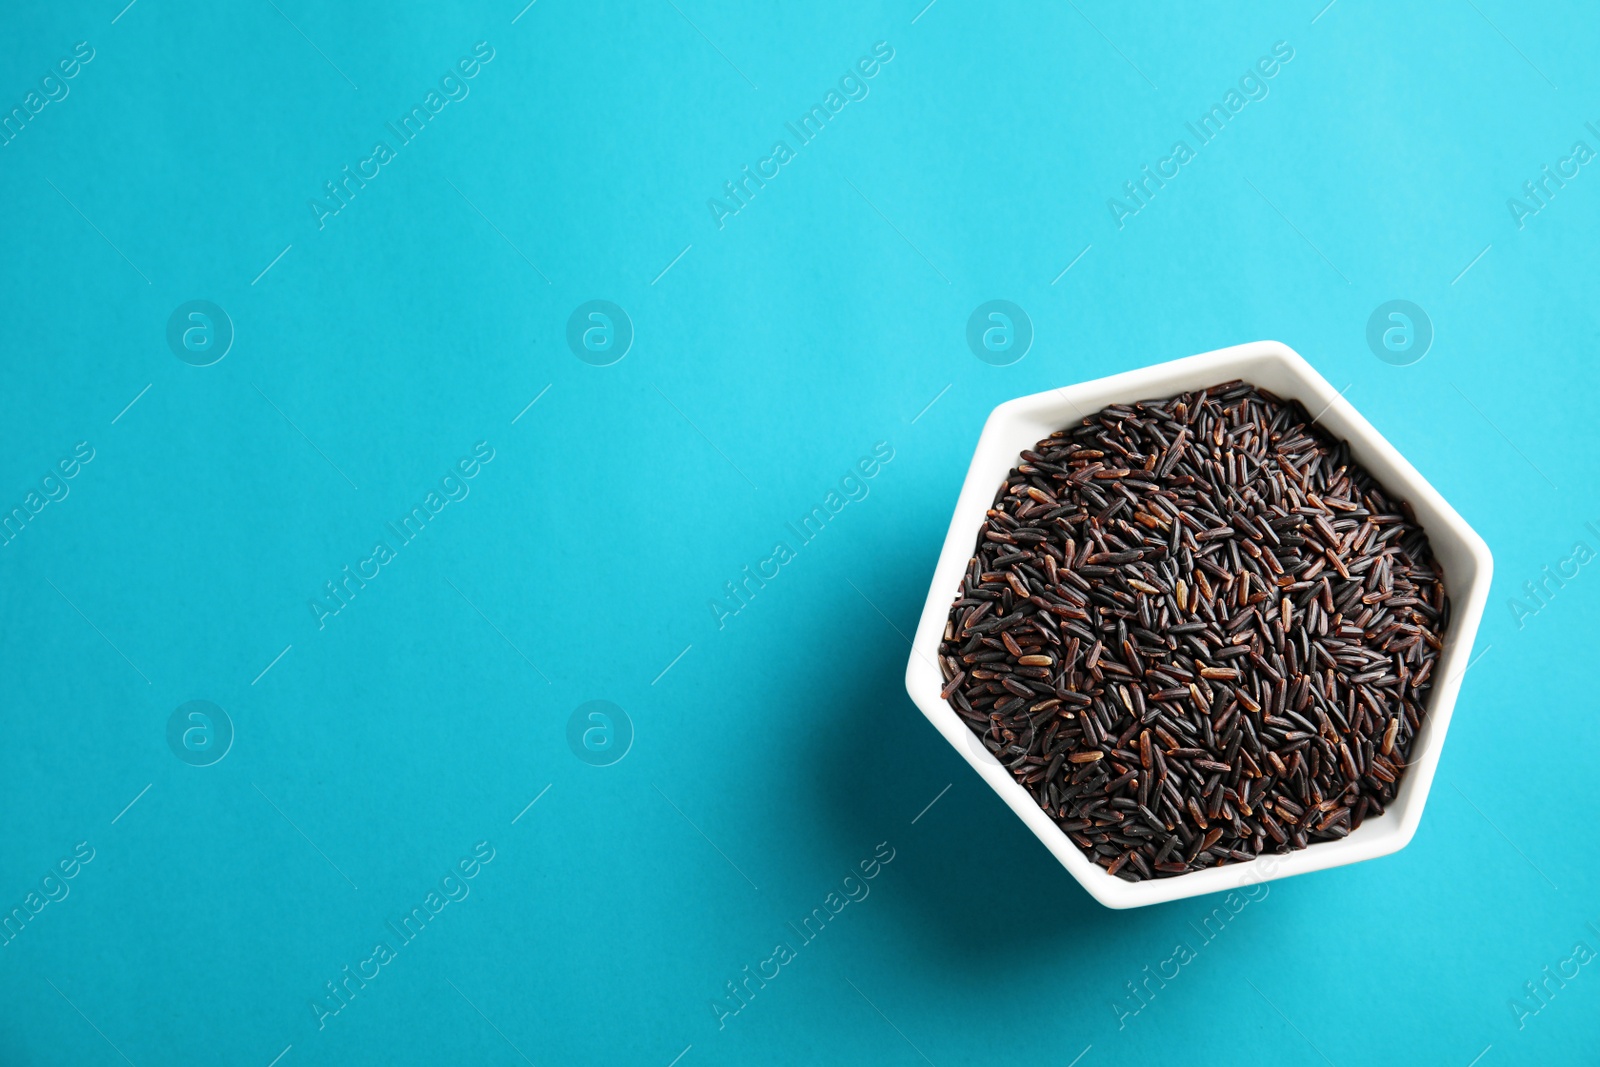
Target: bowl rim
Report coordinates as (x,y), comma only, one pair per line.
(1468,593)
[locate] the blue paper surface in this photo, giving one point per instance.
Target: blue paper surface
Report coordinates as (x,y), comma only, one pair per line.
(448,616)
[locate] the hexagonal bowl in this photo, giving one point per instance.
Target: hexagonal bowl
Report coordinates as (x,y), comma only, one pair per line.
(1019,424)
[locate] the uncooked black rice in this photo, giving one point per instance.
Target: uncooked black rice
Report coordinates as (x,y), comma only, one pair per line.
(1195,630)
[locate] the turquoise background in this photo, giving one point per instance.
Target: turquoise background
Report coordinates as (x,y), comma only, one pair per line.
(774,754)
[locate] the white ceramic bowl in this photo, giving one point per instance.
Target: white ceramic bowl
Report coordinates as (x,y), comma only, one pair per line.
(1020,423)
